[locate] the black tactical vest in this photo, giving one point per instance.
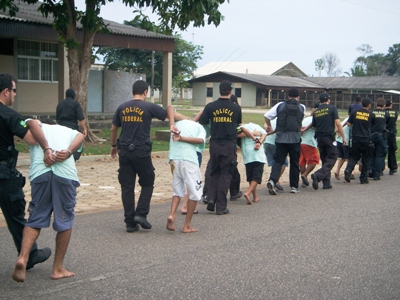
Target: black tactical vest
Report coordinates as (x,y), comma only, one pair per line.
(290,116)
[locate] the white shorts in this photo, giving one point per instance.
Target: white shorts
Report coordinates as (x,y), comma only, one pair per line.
(187,176)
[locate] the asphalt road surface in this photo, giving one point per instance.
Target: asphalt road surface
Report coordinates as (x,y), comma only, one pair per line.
(342,243)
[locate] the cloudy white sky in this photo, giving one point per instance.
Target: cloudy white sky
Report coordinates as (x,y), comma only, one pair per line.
(299,31)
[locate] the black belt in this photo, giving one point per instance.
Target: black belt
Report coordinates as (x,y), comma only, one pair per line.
(137,147)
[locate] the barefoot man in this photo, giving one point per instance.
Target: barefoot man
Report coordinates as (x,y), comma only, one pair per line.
(53,190)
(185,169)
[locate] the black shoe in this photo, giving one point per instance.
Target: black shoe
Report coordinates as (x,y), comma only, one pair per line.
(392,172)
(204,199)
(235,197)
(211,205)
(314,181)
(132,228)
(352,177)
(224,212)
(327,187)
(370,175)
(364,181)
(377,178)
(347,176)
(305,181)
(142,222)
(40,256)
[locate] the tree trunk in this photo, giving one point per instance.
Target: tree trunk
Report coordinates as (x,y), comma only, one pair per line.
(79,60)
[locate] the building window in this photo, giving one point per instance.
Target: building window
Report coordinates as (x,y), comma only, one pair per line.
(209,92)
(238,92)
(37,61)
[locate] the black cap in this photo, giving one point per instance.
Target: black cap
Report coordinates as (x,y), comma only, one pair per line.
(293,92)
(316,104)
(70,93)
(388,102)
(225,86)
(324,97)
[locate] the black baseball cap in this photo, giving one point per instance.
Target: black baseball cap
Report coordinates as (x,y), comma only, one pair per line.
(225,86)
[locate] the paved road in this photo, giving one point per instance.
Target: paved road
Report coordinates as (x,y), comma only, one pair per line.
(342,243)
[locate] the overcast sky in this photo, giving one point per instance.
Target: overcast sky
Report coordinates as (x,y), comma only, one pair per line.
(299,31)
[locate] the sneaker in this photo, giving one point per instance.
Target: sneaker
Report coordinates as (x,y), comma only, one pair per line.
(204,199)
(347,176)
(314,181)
(294,190)
(392,172)
(235,197)
(40,256)
(271,188)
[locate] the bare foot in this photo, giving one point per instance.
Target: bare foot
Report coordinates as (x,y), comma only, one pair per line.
(189,230)
(19,271)
(247,197)
(256,200)
(171,223)
(337,176)
(60,275)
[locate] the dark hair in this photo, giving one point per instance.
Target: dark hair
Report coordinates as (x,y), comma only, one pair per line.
(293,93)
(6,81)
(358,99)
(234,99)
(365,102)
(380,102)
(139,87)
(48,121)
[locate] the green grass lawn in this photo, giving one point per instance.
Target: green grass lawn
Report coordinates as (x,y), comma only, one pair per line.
(104,147)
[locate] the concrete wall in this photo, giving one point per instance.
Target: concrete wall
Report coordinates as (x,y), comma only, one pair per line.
(248,98)
(249,94)
(36,98)
(118,88)
(199,93)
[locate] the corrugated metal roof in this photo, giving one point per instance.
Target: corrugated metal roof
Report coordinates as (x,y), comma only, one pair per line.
(358,83)
(245,67)
(261,80)
(29,13)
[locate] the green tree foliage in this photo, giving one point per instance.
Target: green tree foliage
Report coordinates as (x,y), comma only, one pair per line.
(184,59)
(379,64)
(172,14)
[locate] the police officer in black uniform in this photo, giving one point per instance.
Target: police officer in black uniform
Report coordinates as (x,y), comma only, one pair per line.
(69,113)
(224,117)
(360,120)
(325,118)
(134,145)
(391,128)
(378,138)
(12,198)
(290,114)
(234,187)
